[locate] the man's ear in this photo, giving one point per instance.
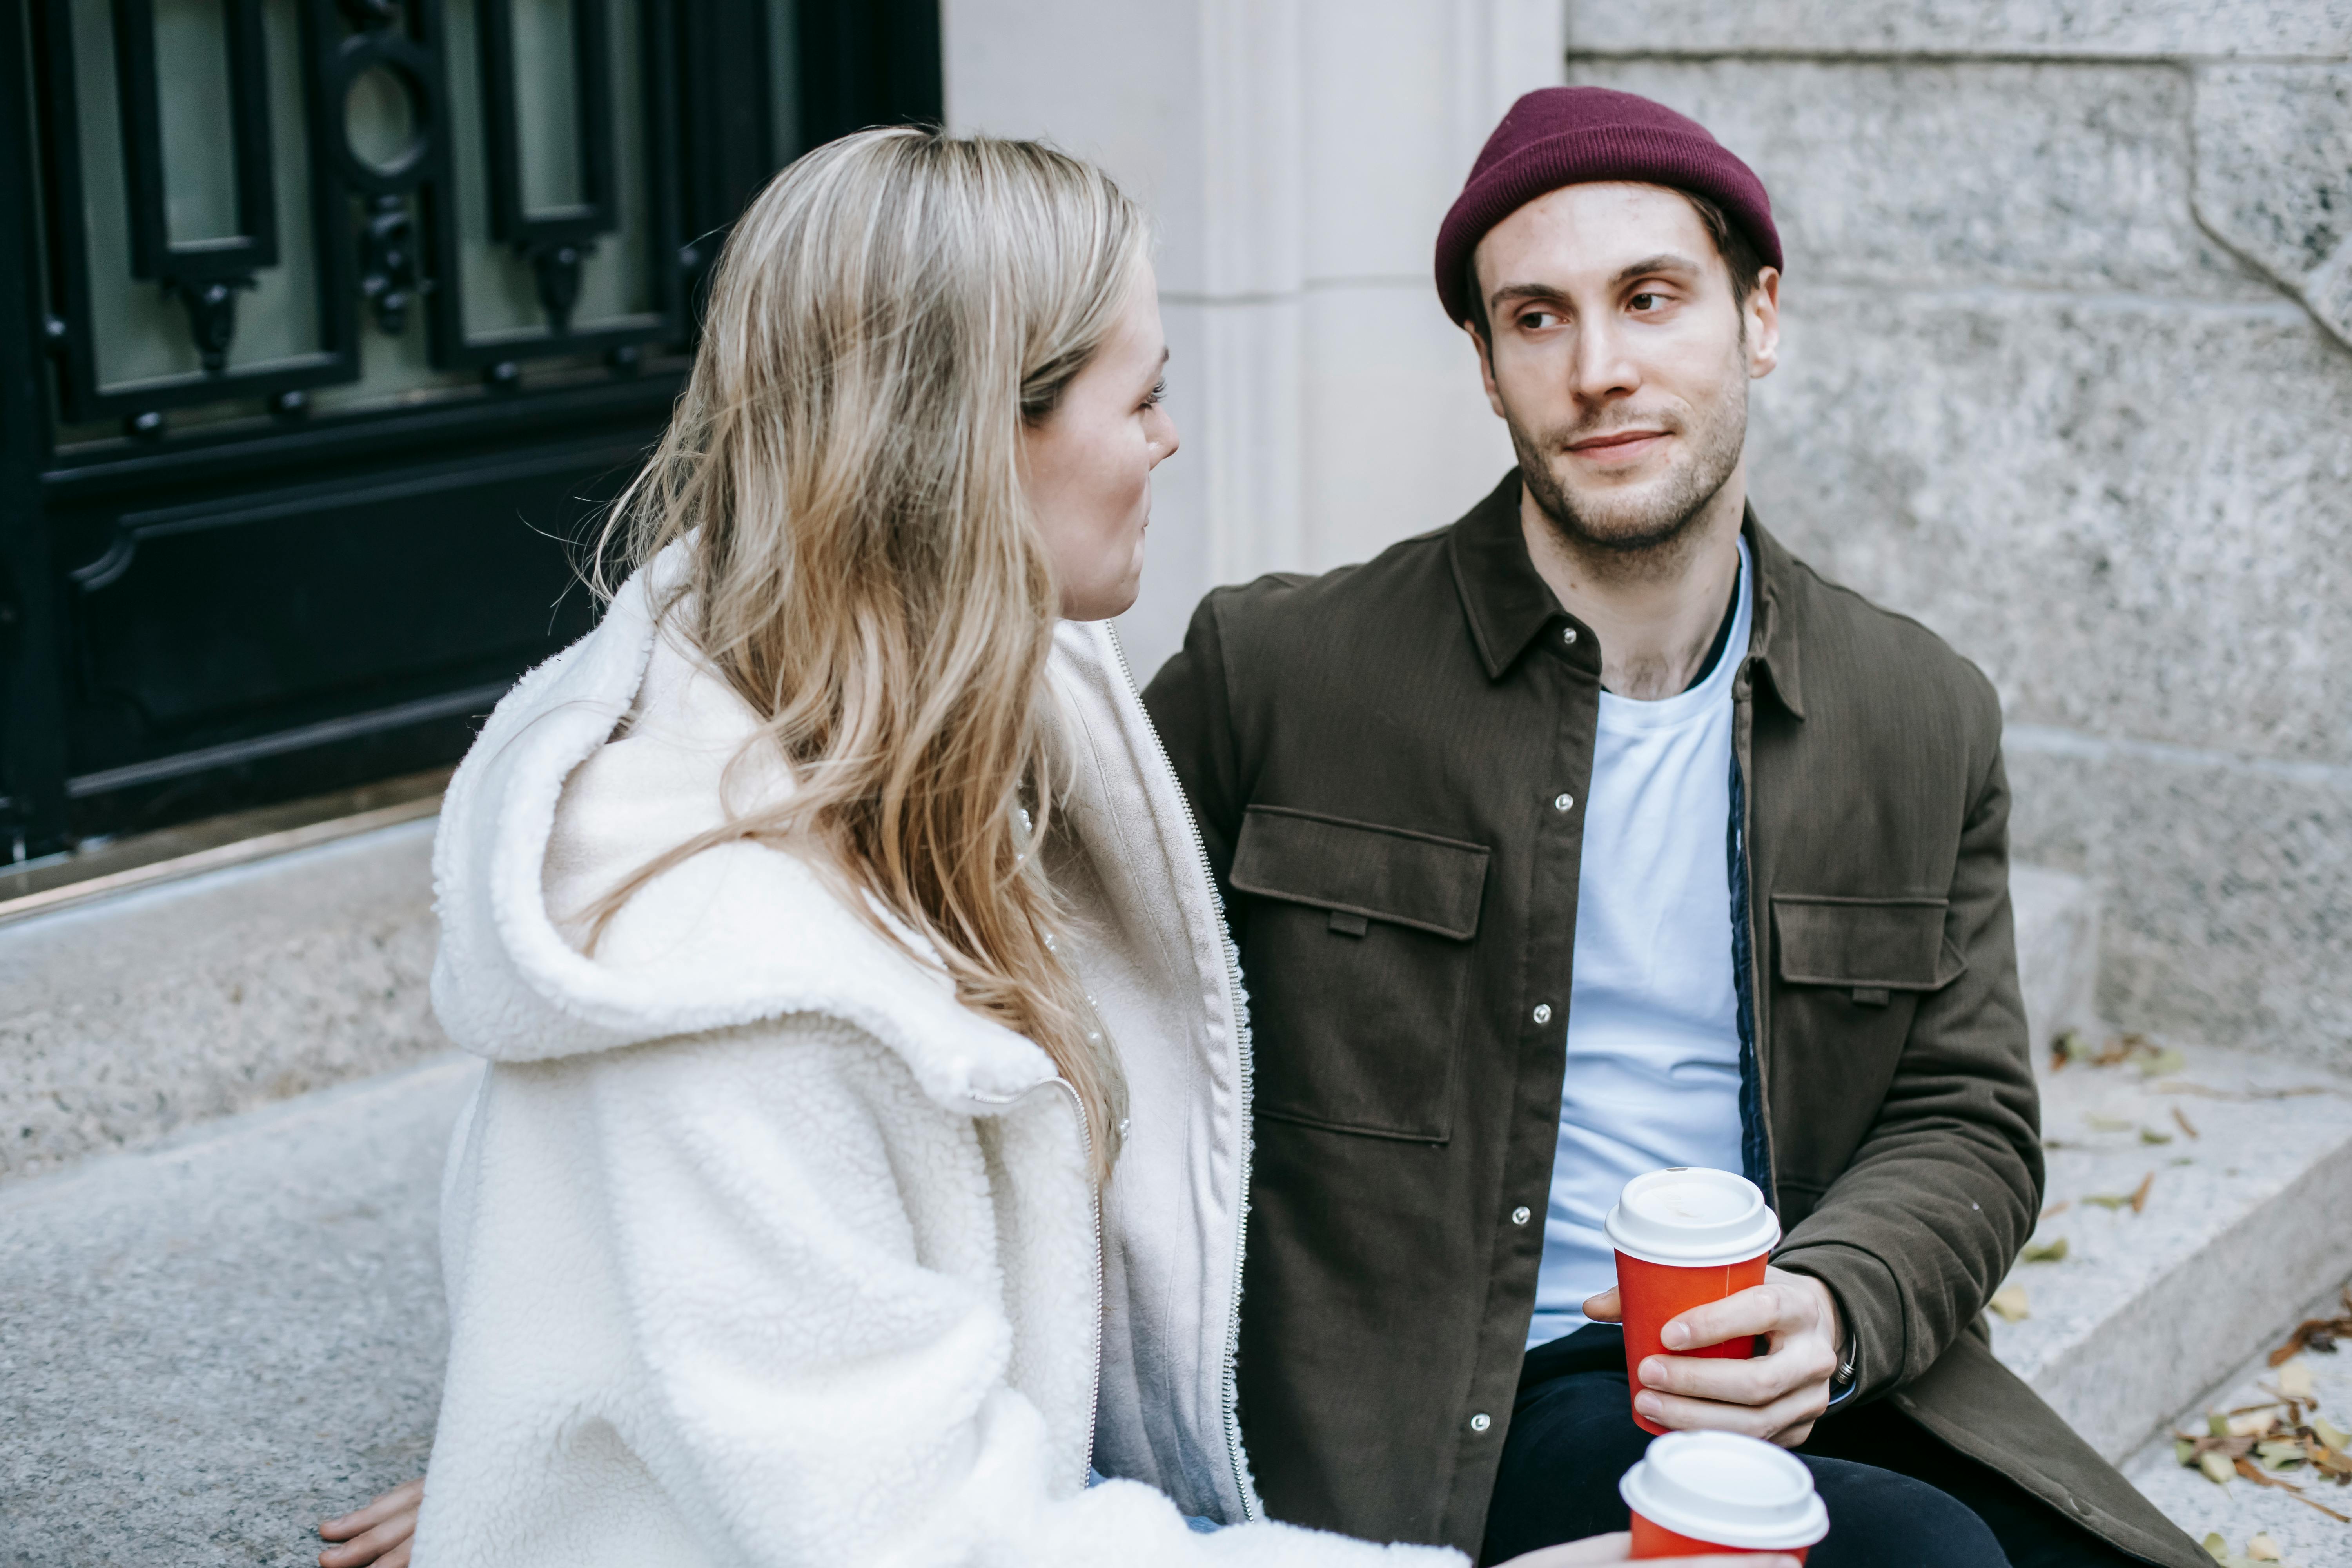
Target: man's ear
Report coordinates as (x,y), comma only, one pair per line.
(1486,368)
(1763,324)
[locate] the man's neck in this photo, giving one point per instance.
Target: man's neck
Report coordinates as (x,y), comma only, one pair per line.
(1656,612)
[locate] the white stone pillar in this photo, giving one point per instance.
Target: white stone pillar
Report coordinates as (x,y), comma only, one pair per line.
(1299,154)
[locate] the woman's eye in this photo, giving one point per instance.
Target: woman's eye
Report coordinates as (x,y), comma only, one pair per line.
(1151,399)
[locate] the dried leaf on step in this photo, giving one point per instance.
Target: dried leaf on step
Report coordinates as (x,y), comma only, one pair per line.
(2277,1453)
(2252,1423)
(2184,1450)
(2046,1251)
(2054,1210)
(2139,1194)
(2107,1123)
(2295,1381)
(2166,1060)
(2215,1547)
(2316,1333)
(2331,1435)
(2216,1467)
(2109,1200)
(2150,1136)
(2262,1549)
(2186,1125)
(2009,1303)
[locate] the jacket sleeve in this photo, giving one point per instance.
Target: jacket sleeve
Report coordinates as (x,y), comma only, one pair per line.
(1190,704)
(820,1347)
(1920,1229)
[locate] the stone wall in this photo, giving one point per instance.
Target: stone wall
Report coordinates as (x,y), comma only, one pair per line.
(2067,376)
(2066,373)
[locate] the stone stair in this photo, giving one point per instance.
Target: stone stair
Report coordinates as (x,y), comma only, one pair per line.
(223,1106)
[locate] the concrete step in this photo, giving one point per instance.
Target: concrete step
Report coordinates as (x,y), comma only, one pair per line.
(2239,1509)
(207,1346)
(2246,1161)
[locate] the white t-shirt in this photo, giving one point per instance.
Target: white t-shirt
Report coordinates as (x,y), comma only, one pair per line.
(1652,1075)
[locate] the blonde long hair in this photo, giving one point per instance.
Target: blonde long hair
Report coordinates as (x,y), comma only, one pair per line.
(844,469)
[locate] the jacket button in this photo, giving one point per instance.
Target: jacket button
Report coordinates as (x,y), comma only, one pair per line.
(1543,1013)
(1521,1214)
(1568,634)
(1563,801)
(1481,1421)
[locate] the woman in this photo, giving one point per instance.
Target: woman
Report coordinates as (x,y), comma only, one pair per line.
(861,1166)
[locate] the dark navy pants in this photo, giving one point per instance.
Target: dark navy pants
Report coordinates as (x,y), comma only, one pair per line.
(1916,1503)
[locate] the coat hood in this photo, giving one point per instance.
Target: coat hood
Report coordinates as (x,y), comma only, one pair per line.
(736,934)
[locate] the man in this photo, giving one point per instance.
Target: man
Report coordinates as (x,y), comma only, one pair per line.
(1595,834)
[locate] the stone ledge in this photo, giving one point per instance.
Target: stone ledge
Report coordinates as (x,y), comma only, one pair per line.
(126,1020)
(2240,1509)
(2149,1309)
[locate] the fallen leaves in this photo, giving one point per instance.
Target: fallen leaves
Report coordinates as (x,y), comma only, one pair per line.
(2136,1200)
(2009,1303)
(2045,1251)
(2259,1442)
(2152,1059)
(2259,1549)
(2186,1125)
(2317,1333)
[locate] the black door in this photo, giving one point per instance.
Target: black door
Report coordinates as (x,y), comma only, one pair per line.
(324,327)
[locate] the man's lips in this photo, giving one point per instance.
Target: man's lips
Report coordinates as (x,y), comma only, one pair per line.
(1617,444)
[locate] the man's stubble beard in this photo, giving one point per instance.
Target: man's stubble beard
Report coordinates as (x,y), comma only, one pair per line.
(1643,535)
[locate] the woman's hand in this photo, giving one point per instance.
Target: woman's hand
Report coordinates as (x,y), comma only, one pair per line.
(379,1533)
(1619,1548)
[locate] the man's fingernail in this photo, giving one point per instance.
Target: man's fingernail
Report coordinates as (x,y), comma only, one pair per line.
(1676,1336)
(1647,1404)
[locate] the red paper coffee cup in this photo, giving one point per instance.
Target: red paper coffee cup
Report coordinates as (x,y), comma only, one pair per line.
(1685,1237)
(1699,1493)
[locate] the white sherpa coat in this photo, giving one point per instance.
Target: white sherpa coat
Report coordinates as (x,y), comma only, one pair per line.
(760,1248)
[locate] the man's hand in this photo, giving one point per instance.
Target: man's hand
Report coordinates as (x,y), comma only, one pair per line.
(378,1533)
(1777,1396)
(1619,1548)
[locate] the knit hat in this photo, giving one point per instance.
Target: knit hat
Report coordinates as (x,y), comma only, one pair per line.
(1558,136)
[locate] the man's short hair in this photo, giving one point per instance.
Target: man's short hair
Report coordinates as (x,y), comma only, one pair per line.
(1740,259)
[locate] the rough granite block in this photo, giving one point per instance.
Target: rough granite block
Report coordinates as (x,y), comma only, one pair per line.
(1962,174)
(207,1348)
(2135,514)
(2153,29)
(2057,950)
(126,1018)
(2275,177)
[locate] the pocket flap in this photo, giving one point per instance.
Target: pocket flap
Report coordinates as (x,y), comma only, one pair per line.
(1890,945)
(1392,874)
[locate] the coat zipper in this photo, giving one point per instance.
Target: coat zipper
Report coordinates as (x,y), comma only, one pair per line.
(1093,1384)
(1238,999)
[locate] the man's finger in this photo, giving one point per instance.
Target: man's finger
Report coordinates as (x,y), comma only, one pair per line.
(1758,1381)
(1604,1308)
(1758,1309)
(401,1498)
(1769,1422)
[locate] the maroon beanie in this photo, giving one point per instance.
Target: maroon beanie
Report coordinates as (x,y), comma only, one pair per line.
(1558,136)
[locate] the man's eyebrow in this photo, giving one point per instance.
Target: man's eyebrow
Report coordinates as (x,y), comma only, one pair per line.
(1665,261)
(1649,266)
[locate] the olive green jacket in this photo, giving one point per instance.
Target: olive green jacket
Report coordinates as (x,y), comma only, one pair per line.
(1388,763)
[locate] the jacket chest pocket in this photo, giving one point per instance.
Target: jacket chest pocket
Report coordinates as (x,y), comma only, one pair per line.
(1873,948)
(1357,964)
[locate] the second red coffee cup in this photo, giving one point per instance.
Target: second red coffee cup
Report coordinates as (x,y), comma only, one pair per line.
(1686,1236)
(1694,1494)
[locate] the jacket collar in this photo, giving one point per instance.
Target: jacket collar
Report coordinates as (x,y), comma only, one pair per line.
(1508,603)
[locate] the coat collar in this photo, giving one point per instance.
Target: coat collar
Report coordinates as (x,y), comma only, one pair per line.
(1508,603)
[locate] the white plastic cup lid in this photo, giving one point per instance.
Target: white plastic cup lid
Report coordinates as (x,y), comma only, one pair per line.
(1692,1217)
(1728,1491)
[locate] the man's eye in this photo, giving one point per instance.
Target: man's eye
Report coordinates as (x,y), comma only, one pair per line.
(1535,320)
(1646,301)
